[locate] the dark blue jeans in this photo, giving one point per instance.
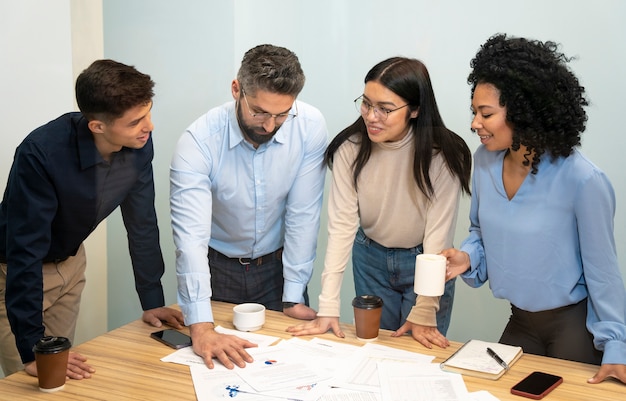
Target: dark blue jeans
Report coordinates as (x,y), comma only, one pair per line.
(389,273)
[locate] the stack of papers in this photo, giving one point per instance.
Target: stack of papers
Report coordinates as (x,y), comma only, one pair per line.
(322,370)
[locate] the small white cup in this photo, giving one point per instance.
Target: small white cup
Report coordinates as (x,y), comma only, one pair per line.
(430,274)
(248,317)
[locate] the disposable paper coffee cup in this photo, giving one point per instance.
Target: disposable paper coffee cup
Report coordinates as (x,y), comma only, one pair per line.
(430,274)
(51,355)
(367,312)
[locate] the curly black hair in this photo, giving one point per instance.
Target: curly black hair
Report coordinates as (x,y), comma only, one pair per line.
(544,100)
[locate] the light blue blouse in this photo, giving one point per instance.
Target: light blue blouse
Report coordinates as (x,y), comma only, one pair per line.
(245,202)
(552,245)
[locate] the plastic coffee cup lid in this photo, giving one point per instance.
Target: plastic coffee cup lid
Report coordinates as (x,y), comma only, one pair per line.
(367,302)
(51,345)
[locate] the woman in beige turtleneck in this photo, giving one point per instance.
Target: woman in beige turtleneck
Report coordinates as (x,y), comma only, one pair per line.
(398,173)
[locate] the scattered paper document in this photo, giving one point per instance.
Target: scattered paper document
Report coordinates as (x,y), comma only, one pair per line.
(276,373)
(322,370)
(360,371)
(186,356)
(342,394)
(401,381)
(211,385)
(482,395)
(279,367)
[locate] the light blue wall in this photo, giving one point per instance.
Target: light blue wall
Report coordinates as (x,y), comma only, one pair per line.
(32,92)
(193,49)
(188,52)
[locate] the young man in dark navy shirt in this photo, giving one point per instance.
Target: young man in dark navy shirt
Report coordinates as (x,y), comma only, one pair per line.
(67,176)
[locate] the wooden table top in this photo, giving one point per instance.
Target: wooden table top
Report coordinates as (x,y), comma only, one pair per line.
(128,367)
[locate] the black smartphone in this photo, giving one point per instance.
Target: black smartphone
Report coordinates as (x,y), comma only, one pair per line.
(536,385)
(172,338)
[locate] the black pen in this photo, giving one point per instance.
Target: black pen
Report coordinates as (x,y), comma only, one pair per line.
(497,358)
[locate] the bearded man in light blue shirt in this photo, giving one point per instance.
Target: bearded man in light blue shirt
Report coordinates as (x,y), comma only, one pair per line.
(247,183)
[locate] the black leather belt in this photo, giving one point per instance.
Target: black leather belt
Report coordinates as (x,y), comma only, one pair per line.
(270,257)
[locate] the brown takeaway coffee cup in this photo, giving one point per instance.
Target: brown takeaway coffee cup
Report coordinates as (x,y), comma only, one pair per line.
(367,311)
(51,355)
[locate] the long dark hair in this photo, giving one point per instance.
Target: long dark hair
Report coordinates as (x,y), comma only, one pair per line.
(409,79)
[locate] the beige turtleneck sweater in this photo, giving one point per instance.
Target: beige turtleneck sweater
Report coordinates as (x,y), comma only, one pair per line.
(392,211)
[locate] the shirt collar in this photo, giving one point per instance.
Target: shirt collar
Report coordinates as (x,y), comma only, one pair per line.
(87,152)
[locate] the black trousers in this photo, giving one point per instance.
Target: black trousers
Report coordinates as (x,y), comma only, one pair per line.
(558,333)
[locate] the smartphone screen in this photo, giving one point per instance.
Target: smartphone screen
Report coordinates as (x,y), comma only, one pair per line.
(172,338)
(536,385)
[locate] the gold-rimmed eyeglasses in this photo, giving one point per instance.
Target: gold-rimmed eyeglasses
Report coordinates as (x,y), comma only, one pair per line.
(363,107)
(262,117)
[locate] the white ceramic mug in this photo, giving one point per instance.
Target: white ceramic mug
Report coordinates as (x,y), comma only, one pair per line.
(248,317)
(430,274)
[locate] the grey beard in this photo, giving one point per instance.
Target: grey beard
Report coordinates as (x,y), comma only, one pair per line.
(249,133)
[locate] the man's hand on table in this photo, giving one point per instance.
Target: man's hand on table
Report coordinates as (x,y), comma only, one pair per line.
(76,367)
(299,311)
(209,344)
(425,335)
(157,316)
(318,326)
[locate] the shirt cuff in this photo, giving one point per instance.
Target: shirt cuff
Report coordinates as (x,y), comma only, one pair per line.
(424,313)
(614,352)
(152,299)
(197,312)
(474,254)
(293,292)
(328,308)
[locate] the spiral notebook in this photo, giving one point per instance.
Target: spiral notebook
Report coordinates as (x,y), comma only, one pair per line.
(472,359)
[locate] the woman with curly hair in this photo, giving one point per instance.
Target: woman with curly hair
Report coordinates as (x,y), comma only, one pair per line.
(541,213)
(398,173)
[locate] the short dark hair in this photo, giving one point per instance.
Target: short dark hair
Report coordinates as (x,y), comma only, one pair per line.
(107,89)
(544,100)
(271,68)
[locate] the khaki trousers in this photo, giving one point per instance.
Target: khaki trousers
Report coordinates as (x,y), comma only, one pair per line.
(63,285)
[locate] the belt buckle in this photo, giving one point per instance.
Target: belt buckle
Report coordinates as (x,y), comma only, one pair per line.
(244,263)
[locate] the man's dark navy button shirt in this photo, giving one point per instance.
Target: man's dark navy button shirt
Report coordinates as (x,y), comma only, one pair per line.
(59,190)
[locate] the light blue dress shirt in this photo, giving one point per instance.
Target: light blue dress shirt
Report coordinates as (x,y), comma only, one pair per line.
(245,202)
(550,246)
